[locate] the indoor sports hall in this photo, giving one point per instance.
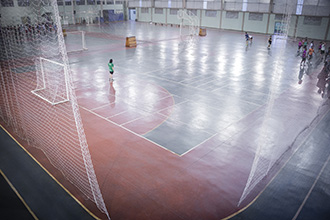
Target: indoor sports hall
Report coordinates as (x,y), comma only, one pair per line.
(212,110)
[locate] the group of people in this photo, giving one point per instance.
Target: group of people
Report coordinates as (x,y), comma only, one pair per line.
(307,50)
(249,38)
(25,32)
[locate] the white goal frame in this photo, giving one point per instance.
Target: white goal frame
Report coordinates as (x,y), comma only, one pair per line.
(82,39)
(44,87)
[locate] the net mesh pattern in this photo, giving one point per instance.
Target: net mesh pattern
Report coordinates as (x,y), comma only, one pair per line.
(37,99)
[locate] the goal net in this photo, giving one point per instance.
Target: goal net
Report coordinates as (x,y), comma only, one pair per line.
(267,154)
(34,58)
(189,26)
(75,41)
(52,81)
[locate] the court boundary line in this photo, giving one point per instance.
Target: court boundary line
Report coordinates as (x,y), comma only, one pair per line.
(66,190)
(276,174)
(18,195)
(189,86)
(311,189)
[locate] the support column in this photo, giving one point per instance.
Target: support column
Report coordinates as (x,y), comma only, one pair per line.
(267,28)
(101,6)
(243,20)
(64,12)
(221,11)
(270,11)
(73,12)
(152,9)
(295,28)
(327,30)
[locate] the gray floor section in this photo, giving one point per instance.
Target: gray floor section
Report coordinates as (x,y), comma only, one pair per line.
(301,190)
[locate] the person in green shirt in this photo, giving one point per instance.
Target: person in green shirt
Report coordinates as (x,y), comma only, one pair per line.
(111,69)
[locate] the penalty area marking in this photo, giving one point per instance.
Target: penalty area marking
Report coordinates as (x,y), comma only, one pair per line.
(130,131)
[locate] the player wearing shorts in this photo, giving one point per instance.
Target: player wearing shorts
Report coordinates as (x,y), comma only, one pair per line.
(304,54)
(299,46)
(111,69)
(247,38)
(310,53)
(269,42)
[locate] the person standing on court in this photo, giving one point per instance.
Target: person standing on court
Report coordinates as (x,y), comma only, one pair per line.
(269,41)
(304,54)
(247,38)
(322,81)
(111,69)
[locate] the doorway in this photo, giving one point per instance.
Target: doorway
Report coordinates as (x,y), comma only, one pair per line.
(132,14)
(279,27)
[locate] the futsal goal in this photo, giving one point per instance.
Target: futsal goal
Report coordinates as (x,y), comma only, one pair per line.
(52,81)
(75,41)
(189,26)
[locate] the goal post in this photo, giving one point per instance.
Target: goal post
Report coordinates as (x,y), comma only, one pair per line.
(189,25)
(52,81)
(75,41)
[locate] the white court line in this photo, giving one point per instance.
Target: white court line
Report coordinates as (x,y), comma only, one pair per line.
(186,81)
(221,87)
(182,123)
(199,144)
(119,113)
(202,84)
(165,97)
(311,189)
(170,107)
(93,109)
(132,132)
(135,119)
(173,81)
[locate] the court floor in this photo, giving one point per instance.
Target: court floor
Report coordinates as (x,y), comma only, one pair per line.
(176,134)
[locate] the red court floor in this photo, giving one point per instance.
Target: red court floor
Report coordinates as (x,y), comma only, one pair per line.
(177,133)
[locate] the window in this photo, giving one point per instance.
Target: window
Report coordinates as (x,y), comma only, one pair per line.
(174,11)
(244,5)
(145,10)
(90,2)
(232,14)
(192,12)
(255,16)
(7,3)
(158,11)
(99,2)
(109,2)
(23,3)
(279,17)
(311,20)
(67,2)
(210,13)
(119,2)
(80,2)
(300,4)
(59,2)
